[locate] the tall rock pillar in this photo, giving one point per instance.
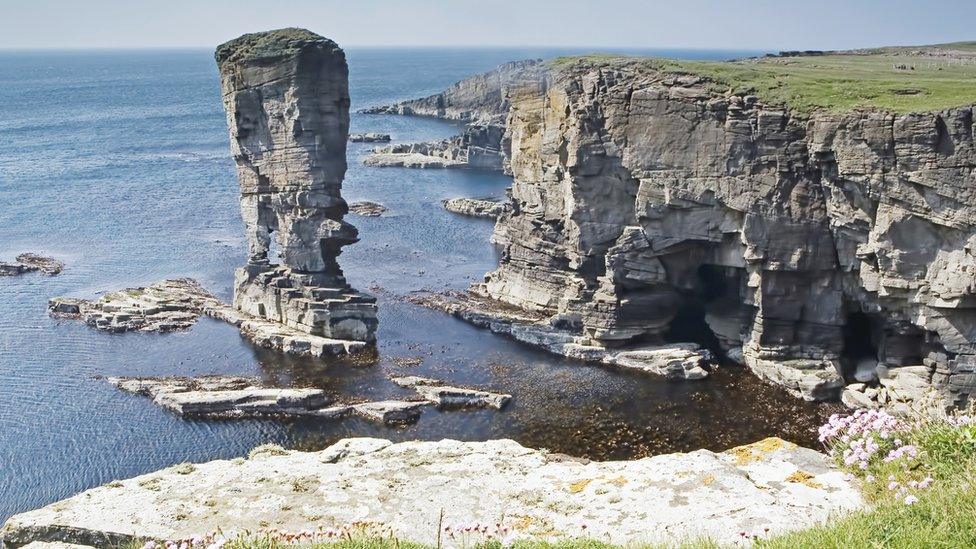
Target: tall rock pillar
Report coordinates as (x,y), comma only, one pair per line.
(286,94)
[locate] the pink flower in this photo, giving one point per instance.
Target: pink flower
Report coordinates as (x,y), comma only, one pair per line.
(910,500)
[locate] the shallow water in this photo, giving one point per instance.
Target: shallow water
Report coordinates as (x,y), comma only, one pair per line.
(118,163)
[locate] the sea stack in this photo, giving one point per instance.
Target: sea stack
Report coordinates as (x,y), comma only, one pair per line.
(286,94)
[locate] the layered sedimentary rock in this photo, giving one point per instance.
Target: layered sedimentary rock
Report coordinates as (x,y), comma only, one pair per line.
(482,103)
(812,243)
(286,95)
(425,491)
(819,248)
(242,397)
(177,304)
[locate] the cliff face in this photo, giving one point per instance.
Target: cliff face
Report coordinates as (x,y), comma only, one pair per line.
(482,102)
(647,205)
(286,94)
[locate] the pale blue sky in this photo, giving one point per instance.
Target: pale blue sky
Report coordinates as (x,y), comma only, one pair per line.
(740,24)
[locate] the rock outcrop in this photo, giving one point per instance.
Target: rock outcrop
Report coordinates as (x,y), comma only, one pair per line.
(28,262)
(475,207)
(423,491)
(482,103)
(368,209)
(172,305)
(238,397)
(650,205)
(286,94)
(369,137)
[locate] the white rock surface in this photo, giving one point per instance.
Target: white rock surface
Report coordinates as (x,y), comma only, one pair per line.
(770,485)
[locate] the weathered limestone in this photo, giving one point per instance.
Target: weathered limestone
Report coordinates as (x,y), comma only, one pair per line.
(766,488)
(286,94)
(474,207)
(172,305)
(814,248)
(28,262)
(478,146)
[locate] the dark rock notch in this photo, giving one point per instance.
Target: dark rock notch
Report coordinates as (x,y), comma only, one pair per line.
(286,94)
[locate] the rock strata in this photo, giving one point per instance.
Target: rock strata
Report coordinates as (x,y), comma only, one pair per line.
(814,247)
(474,207)
(286,95)
(766,488)
(172,305)
(482,103)
(674,361)
(221,396)
(28,262)
(244,397)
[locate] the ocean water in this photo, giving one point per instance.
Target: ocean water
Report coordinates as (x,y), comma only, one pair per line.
(118,163)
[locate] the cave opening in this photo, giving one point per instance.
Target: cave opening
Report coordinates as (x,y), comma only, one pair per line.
(860,337)
(715,286)
(860,353)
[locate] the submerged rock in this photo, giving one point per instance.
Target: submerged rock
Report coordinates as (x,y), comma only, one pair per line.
(474,207)
(370,137)
(286,94)
(447,396)
(368,209)
(28,262)
(766,488)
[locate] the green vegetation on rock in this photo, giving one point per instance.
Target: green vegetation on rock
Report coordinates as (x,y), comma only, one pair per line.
(900,80)
(257,45)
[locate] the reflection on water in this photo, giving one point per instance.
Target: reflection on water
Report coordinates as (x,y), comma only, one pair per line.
(118,164)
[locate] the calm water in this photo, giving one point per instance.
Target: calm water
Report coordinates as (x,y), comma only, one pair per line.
(118,163)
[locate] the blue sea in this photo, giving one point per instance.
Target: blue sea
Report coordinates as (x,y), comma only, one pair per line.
(118,163)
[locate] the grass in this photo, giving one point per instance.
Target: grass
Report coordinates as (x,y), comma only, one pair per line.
(944,514)
(836,82)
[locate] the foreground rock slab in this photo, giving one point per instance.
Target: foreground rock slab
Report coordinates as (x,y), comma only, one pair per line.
(446,396)
(765,488)
(674,361)
(28,262)
(176,304)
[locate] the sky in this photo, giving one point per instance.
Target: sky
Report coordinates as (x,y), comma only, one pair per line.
(707,24)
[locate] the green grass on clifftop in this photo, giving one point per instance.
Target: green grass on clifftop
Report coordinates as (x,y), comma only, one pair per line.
(900,80)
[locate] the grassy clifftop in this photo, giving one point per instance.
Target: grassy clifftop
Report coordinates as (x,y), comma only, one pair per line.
(897,79)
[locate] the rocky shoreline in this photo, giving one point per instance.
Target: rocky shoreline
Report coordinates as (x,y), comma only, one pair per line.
(176,304)
(475,207)
(413,490)
(673,361)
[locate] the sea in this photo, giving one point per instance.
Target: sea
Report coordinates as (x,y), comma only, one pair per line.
(118,163)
